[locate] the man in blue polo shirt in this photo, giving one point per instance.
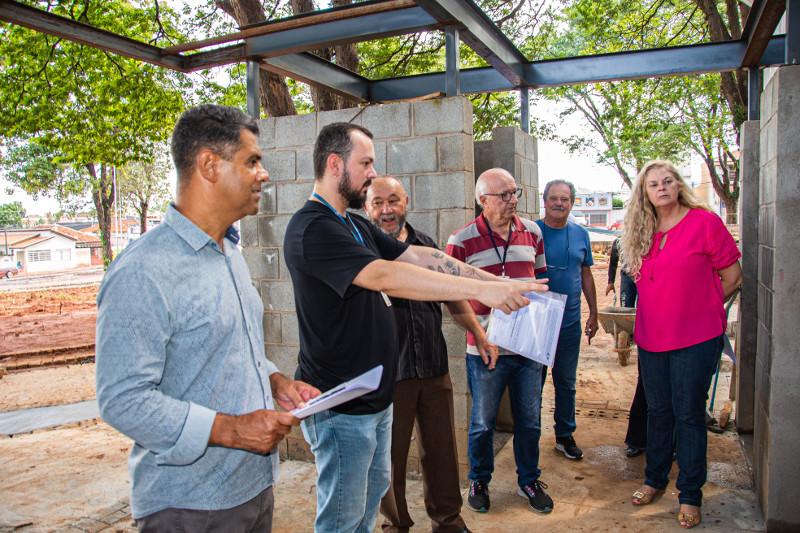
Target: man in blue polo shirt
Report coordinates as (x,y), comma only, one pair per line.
(569,258)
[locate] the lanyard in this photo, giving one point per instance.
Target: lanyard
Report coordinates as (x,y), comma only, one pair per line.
(356,233)
(547,245)
(505,251)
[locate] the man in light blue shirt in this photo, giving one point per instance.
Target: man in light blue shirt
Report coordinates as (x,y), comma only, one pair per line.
(569,258)
(181,368)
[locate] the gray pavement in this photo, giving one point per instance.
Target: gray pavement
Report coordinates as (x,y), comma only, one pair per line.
(27,420)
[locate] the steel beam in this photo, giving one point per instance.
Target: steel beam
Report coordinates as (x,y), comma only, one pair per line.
(315,71)
(366,28)
(214,58)
(65,28)
(452,63)
(676,61)
(481,34)
(759,28)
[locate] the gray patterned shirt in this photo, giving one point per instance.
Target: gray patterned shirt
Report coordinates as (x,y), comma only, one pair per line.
(179,338)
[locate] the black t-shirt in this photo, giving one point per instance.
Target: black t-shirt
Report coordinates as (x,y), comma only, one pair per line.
(345,330)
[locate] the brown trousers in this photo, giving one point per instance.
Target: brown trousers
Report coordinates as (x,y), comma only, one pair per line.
(428,404)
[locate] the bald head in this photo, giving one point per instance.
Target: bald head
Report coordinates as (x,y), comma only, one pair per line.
(386,205)
(489,191)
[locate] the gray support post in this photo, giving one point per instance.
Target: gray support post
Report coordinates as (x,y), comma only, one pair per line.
(253,89)
(747,333)
(753,93)
(452,74)
(792,32)
(525,109)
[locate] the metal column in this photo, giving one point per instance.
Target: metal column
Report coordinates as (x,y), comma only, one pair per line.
(253,89)
(452,74)
(525,109)
(792,32)
(753,93)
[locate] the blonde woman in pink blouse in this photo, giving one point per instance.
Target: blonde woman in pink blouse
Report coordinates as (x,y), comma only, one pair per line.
(686,264)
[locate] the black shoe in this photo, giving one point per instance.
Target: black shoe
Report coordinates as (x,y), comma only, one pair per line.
(634,451)
(568,447)
(537,497)
(478,499)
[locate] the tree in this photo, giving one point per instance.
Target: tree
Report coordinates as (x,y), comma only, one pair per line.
(91,110)
(145,184)
(11,215)
(646,119)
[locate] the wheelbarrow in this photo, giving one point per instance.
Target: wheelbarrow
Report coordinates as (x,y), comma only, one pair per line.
(618,321)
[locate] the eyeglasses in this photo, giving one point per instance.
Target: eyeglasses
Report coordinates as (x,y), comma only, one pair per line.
(506,196)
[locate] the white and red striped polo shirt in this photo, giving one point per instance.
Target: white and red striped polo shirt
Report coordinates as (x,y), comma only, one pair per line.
(524,259)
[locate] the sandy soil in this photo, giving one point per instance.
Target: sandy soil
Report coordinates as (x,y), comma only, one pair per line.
(46,386)
(42,320)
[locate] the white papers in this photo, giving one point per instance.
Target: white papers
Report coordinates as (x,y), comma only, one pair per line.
(358,386)
(531,331)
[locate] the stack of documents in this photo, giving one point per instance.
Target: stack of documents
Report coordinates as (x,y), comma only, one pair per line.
(358,386)
(530,331)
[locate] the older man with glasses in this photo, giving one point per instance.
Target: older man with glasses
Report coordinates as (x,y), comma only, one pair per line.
(504,244)
(569,258)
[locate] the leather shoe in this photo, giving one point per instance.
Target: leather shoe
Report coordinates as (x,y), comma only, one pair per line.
(633,451)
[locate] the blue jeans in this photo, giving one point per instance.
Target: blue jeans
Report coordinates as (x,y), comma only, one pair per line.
(565,371)
(352,454)
(522,375)
(627,290)
(676,385)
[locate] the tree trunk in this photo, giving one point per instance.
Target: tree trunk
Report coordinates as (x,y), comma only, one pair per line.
(731,207)
(143,206)
(103,198)
(275,97)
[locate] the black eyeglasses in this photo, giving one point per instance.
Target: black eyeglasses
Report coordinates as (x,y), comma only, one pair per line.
(506,196)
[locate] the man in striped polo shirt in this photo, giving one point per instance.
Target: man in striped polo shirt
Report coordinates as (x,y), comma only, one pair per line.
(504,244)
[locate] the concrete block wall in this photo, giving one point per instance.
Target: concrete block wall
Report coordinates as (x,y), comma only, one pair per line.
(428,146)
(517,152)
(777,365)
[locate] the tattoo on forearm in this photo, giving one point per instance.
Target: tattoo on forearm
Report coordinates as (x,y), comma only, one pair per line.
(456,268)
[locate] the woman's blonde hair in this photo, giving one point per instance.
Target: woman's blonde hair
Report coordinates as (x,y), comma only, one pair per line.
(640,219)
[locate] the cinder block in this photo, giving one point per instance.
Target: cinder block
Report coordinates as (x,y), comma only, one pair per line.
(767,182)
(272,328)
(443,115)
(531,148)
(462,405)
(455,153)
(284,357)
(280,164)
(458,365)
(340,115)
(267,204)
(766,225)
(771,146)
(510,140)
(290,333)
(295,130)
(388,121)
(292,196)
(285,276)
(424,221)
(411,156)
(450,190)
(266,133)
(305,163)
(277,296)
(248,229)
(262,262)
(451,221)
(380,157)
(271,230)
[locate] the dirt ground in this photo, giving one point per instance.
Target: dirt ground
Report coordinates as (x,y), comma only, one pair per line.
(41,320)
(86,463)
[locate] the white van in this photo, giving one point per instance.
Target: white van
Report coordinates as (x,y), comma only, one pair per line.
(578,217)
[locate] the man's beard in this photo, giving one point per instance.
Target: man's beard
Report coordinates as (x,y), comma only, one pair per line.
(401,223)
(354,197)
